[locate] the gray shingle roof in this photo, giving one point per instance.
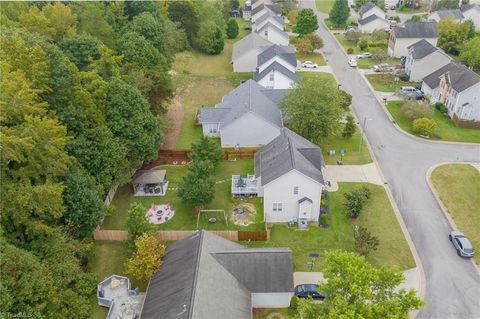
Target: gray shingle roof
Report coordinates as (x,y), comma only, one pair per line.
(460,76)
(421,49)
(426,29)
(207,276)
(455,14)
(289,151)
(245,45)
(276,50)
(274,95)
(280,31)
(248,97)
(269,15)
(275,8)
(275,66)
(369,19)
(367,6)
(467,7)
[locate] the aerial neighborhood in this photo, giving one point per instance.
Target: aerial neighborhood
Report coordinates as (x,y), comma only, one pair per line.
(252,159)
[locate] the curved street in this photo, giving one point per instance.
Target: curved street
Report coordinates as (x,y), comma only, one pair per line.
(452,284)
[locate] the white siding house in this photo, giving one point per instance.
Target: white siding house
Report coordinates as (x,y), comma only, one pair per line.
(372,23)
(274,34)
(278,21)
(472,12)
(289,177)
(403,36)
(276,77)
(369,9)
(271,300)
(246,117)
(277,54)
(263,8)
(245,52)
(423,58)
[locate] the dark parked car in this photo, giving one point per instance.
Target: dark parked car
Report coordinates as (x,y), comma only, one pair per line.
(308,290)
(461,243)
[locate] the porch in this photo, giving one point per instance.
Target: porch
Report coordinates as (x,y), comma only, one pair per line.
(244,185)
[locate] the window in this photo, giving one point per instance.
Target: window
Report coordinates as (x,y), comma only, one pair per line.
(295,190)
(271,76)
(266,32)
(277,207)
(213,129)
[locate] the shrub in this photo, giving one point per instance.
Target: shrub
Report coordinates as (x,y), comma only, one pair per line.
(414,110)
(424,126)
(147,258)
(292,310)
(355,199)
(380,55)
(365,242)
(404,77)
(353,35)
(137,224)
(350,51)
(362,44)
(349,128)
(324,219)
(441,107)
(232,28)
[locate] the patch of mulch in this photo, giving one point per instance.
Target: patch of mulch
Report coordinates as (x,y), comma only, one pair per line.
(244,214)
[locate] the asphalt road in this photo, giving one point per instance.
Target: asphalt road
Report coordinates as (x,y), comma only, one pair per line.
(452,283)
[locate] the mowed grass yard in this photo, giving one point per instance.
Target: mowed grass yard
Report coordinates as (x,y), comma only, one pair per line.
(185,217)
(385,82)
(324,5)
(378,217)
(314,57)
(347,44)
(446,130)
(458,186)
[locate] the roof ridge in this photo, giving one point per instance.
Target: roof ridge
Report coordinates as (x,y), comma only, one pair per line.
(195,277)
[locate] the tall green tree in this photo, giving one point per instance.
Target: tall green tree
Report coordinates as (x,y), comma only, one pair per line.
(146,259)
(209,38)
(313,109)
(83,206)
(102,155)
(470,54)
(134,8)
(92,19)
(151,28)
(137,50)
(306,22)
(206,149)
(356,289)
(130,119)
(452,35)
(232,28)
(197,187)
(81,50)
(186,13)
(137,223)
(339,13)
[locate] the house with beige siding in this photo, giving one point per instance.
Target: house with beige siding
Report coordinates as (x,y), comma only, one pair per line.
(424,58)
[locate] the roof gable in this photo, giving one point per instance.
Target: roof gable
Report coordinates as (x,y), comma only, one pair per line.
(251,41)
(426,29)
(270,17)
(369,19)
(461,77)
(421,49)
(275,66)
(274,27)
(276,50)
(366,7)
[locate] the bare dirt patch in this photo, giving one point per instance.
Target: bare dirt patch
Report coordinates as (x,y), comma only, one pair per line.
(244,214)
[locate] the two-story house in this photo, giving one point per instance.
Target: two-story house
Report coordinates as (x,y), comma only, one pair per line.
(424,58)
(276,68)
(369,9)
(402,36)
(372,23)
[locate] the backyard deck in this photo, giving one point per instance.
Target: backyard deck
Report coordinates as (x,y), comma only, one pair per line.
(244,186)
(114,292)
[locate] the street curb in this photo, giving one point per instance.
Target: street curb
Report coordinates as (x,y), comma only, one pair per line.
(444,209)
(406,234)
(384,107)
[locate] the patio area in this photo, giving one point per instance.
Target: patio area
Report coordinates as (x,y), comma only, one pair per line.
(244,186)
(159,214)
(115,293)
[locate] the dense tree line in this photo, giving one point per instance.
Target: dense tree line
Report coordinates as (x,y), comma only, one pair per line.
(83,93)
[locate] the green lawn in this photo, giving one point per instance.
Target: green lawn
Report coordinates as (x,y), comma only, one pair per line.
(347,44)
(446,130)
(314,57)
(185,217)
(262,313)
(458,186)
(110,258)
(328,77)
(386,82)
(324,5)
(378,216)
(352,156)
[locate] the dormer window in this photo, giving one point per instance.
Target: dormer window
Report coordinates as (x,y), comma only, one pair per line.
(266,33)
(271,76)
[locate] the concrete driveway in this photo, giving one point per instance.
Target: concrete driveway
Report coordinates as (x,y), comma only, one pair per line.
(452,283)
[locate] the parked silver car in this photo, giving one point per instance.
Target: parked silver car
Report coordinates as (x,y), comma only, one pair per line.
(461,243)
(384,67)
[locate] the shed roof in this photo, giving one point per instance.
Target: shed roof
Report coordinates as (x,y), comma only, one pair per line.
(421,29)
(207,276)
(369,19)
(289,151)
(149,176)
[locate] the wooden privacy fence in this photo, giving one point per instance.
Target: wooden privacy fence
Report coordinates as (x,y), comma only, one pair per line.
(245,154)
(164,235)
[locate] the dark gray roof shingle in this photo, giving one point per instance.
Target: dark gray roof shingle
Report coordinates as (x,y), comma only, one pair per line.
(245,45)
(426,29)
(274,95)
(275,66)
(269,24)
(367,6)
(421,49)
(289,151)
(248,97)
(369,19)
(467,7)
(207,276)
(276,50)
(275,8)
(460,76)
(269,15)
(455,14)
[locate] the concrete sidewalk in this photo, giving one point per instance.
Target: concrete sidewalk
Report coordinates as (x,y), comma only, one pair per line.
(367,173)
(321,68)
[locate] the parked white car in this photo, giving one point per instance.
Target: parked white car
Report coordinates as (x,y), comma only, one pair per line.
(309,65)
(364,55)
(352,62)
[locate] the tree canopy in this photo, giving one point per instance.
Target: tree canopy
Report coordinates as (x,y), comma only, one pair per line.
(306,22)
(339,13)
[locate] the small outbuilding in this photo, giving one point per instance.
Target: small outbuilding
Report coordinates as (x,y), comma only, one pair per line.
(150,183)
